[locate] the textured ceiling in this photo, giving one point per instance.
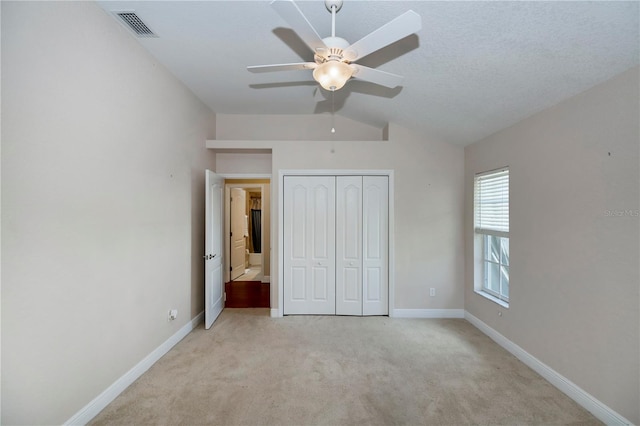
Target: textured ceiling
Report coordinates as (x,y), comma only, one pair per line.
(474,68)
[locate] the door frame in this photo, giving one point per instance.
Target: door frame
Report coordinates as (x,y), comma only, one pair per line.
(227,213)
(333,172)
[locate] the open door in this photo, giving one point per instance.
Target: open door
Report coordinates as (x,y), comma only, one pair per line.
(238,231)
(213,249)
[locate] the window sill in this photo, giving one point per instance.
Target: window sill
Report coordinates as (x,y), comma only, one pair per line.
(493,298)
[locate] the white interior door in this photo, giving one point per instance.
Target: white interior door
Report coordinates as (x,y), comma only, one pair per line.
(213,290)
(238,231)
(349,245)
(309,245)
(375,245)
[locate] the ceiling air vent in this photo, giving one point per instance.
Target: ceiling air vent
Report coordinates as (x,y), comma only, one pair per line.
(134,22)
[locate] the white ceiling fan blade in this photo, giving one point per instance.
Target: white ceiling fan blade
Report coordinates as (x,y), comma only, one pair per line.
(291,13)
(404,25)
(376,76)
(283,67)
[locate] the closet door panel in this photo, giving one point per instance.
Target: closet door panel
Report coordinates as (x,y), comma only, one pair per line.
(298,240)
(321,285)
(309,245)
(375,237)
(349,245)
(298,284)
(351,288)
(373,291)
(296,273)
(322,262)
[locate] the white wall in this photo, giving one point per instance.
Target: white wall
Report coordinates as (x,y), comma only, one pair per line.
(314,127)
(574,278)
(102,206)
(428,205)
(243,163)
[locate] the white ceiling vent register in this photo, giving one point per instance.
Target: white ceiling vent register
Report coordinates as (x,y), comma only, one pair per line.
(133,21)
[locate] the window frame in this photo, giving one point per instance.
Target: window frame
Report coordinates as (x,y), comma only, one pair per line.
(498,228)
(501,264)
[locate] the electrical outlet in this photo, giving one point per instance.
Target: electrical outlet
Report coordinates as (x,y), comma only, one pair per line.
(173,314)
(432,292)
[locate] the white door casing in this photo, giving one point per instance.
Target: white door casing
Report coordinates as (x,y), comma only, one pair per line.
(213,287)
(238,224)
(349,245)
(375,245)
(309,245)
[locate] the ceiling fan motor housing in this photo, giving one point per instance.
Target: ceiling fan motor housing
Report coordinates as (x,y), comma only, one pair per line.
(335,50)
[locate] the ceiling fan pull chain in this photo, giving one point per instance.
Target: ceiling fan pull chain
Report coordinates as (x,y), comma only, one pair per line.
(333,113)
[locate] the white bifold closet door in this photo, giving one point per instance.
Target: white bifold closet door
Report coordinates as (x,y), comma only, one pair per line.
(336,245)
(375,245)
(349,245)
(362,241)
(309,245)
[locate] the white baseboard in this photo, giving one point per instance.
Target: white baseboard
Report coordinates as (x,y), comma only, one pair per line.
(411,313)
(428,313)
(601,411)
(266,279)
(92,409)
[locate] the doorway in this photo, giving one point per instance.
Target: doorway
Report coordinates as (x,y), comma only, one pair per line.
(247,234)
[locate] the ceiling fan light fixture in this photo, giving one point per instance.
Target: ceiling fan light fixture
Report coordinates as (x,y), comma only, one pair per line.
(332,75)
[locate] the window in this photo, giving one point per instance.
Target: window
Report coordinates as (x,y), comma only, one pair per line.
(491,205)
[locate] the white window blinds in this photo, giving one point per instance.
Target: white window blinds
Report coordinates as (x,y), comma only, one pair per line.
(491,200)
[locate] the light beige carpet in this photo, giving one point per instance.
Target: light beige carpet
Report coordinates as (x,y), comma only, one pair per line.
(250,369)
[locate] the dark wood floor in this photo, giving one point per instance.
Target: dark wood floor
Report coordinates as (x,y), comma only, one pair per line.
(247,294)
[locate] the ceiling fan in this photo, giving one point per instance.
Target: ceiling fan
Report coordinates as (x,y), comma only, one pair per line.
(334,56)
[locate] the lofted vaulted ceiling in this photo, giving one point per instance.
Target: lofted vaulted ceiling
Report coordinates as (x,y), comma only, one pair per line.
(474,68)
